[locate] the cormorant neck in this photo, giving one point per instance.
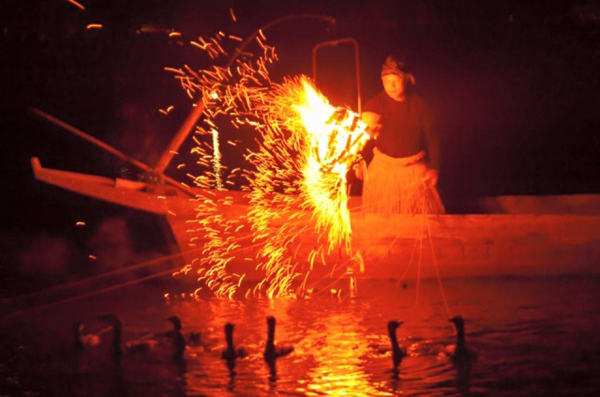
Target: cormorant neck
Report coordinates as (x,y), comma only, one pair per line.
(460,336)
(229,337)
(393,337)
(271,335)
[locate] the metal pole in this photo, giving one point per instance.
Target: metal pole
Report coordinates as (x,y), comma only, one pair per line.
(192,119)
(179,138)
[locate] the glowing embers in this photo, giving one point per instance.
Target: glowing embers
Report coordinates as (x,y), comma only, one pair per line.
(335,137)
(296,177)
(300,183)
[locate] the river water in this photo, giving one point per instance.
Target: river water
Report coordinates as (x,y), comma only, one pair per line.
(532,337)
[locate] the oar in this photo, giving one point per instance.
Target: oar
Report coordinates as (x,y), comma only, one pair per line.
(110,149)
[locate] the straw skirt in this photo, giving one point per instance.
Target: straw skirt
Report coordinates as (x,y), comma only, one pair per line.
(400,185)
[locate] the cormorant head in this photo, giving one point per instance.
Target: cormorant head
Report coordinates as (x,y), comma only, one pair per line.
(176,322)
(393,325)
(111,319)
(458,321)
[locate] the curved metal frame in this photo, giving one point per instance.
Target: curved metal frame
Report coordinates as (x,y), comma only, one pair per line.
(356,61)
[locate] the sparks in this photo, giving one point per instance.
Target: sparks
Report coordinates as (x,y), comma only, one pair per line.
(296,178)
(217,160)
(76,4)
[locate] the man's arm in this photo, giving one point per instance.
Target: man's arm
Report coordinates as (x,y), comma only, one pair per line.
(432,142)
(431,137)
(372,120)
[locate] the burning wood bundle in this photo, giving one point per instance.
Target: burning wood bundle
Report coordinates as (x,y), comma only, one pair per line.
(298,173)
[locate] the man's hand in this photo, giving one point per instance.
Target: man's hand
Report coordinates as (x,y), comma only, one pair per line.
(374,131)
(360,169)
(372,120)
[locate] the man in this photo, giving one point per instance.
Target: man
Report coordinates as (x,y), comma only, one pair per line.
(402,176)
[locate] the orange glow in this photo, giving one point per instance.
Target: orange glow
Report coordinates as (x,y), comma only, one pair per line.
(167,110)
(81,7)
(232,15)
(173,70)
(308,146)
(80,223)
(174,34)
(296,178)
(335,138)
(340,369)
(94,26)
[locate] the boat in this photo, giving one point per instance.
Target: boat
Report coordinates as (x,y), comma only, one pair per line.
(517,235)
(506,235)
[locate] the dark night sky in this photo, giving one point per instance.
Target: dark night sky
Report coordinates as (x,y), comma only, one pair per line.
(513,84)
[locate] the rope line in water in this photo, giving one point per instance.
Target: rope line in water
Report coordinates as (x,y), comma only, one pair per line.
(410,260)
(350,258)
(389,246)
(421,237)
(91,293)
(437,272)
(156,261)
(77,283)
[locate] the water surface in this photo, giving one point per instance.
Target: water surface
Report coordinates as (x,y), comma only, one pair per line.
(532,336)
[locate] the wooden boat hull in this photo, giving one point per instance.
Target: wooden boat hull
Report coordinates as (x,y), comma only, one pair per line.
(391,246)
(400,246)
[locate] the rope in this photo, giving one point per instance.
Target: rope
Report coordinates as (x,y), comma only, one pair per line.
(157,261)
(89,294)
(421,232)
(437,273)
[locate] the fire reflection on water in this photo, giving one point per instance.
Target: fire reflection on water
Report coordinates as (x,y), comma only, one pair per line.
(332,348)
(518,327)
(340,368)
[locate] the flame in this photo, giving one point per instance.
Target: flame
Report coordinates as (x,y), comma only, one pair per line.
(296,179)
(335,137)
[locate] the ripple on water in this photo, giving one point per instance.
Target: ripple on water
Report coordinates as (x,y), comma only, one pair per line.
(532,337)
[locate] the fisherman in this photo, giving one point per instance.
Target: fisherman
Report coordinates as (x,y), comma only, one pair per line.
(403,174)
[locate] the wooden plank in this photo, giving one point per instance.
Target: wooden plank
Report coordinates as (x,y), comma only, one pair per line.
(460,245)
(107,189)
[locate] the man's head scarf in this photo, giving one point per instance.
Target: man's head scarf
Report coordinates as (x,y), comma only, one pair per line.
(399,68)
